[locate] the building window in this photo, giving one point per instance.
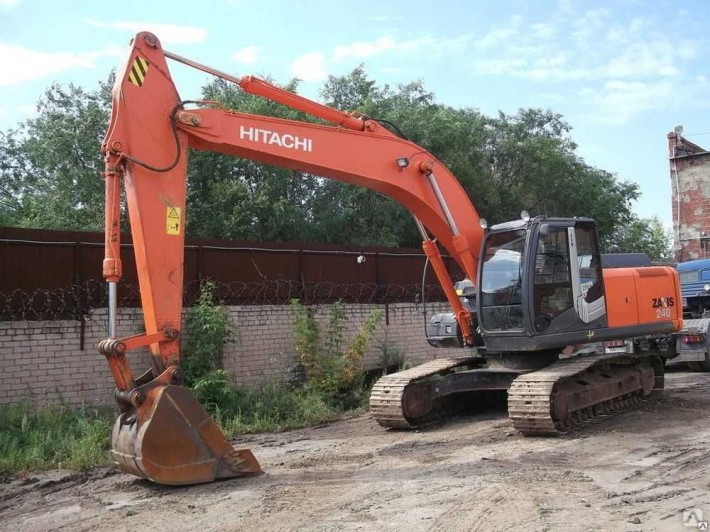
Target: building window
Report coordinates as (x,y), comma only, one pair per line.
(705,246)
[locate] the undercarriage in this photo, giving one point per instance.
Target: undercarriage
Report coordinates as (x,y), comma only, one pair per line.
(547,400)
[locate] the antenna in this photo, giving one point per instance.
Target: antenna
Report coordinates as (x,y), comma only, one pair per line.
(678,135)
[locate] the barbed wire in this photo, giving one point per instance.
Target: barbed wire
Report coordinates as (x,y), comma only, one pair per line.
(78,301)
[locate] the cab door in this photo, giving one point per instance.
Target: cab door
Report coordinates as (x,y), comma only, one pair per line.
(567,282)
(586,272)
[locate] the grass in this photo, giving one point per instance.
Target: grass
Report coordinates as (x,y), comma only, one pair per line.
(32,440)
(273,409)
(269,408)
(52,438)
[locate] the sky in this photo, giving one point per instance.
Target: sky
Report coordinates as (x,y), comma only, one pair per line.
(622,73)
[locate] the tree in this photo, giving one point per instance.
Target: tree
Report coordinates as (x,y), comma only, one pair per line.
(230,197)
(530,163)
(506,163)
(51,166)
(359,215)
(50,169)
(643,235)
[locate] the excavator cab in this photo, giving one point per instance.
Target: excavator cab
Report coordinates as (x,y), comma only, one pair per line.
(542,285)
(538,279)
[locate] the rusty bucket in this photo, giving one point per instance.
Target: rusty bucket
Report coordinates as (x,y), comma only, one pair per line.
(171,439)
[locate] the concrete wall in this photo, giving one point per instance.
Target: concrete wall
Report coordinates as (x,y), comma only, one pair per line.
(42,361)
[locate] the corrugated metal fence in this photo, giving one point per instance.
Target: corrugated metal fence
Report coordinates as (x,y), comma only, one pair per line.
(67,265)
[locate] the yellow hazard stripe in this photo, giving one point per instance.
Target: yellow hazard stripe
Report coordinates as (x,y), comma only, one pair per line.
(139,69)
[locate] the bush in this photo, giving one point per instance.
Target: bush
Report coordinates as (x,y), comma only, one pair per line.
(208,329)
(391,354)
(334,371)
(273,408)
(215,391)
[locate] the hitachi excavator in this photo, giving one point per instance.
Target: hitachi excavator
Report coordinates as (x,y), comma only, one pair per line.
(535,289)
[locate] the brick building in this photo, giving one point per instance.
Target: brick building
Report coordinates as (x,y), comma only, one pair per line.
(690,186)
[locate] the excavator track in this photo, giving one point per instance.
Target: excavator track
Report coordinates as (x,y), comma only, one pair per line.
(388,404)
(573,391)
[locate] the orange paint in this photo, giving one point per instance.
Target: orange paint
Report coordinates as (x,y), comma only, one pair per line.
(637,296)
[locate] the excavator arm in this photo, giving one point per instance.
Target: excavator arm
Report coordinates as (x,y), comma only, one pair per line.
(146,150)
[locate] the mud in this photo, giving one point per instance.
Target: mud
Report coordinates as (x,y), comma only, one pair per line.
(634,470)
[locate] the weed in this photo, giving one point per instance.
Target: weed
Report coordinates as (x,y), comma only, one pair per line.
(391,354)
(208,329)
(332,370)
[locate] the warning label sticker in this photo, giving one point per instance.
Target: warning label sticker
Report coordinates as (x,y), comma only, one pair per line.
(138,72)
(172,226)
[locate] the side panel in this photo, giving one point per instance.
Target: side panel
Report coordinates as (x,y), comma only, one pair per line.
(638,296)
(621,301)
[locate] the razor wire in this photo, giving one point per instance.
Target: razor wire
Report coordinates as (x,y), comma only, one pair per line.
(78,301)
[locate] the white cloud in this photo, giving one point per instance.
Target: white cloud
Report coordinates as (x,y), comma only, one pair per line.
(499,36)
(627,66)
(383,45)
(167,33)
(9,3)
(22,64)
(310,67)
(362,49)
(247,56)
(587,26)
(597,48)
(28,109)
(616,102)
(647,58)
(386,18)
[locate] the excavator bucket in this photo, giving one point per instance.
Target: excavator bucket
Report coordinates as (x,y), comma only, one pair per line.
(170,439)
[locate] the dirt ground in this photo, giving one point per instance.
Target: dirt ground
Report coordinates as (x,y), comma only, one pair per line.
(636,470)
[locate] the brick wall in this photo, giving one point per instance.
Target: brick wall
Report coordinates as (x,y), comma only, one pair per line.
(690,189)
(43,362)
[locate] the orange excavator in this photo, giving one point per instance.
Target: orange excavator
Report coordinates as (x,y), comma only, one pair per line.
(535,288)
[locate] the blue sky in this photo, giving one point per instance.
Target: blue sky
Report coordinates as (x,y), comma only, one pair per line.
(623,73)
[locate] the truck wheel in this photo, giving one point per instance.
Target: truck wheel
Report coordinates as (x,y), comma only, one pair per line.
(699,366)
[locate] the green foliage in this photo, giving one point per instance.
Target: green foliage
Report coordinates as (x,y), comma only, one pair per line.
(215,390)
(51,165)
(50,169)
(271,407)
(642,235)
(267,408)
(53,438)
(505,163)
(305,338)
(391,354)
(333,370)
(237,198)
(33,440)
(208,329)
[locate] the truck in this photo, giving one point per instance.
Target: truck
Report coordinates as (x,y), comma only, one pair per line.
(693,340)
